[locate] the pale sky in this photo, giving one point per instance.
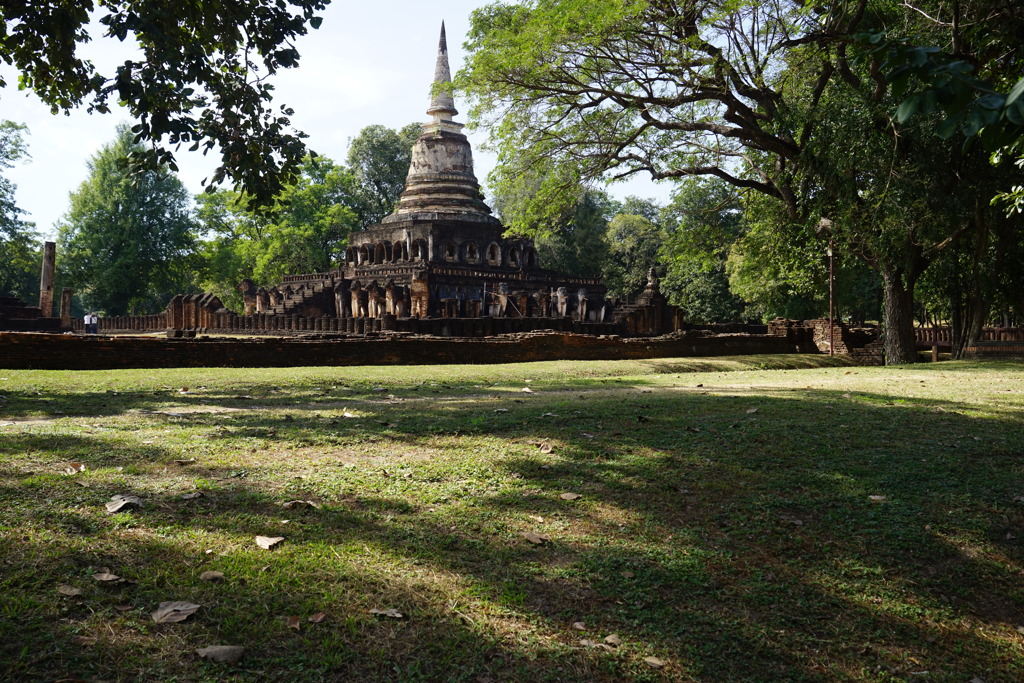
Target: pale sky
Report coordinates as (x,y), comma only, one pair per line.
(369,63)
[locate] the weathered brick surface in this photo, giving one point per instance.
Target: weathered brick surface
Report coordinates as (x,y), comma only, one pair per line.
(95,352)
(995,349)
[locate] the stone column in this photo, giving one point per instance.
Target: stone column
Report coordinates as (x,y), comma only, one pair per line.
(65,308)
(46,279)
(176,319)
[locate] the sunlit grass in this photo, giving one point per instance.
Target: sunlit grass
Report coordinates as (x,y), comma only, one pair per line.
(735,519)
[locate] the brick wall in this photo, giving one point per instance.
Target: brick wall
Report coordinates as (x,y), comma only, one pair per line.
(95,352)
(995,349)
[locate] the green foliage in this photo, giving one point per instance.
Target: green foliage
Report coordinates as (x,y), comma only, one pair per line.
(575,91)
(127,239)
(777,267)
(765,97)
(965,69)
(704,220)
(967,66)
(579,248)
(304,232)
(202,78)
(634,238)
(20,252)
(379,157)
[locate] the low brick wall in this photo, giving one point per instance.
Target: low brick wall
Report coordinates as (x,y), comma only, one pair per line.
(98,352)
(995,349)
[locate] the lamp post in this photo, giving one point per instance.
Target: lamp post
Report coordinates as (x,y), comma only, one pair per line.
(823,225)
(831,297)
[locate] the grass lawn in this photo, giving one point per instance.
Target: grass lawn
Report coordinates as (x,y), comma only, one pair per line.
(734,521)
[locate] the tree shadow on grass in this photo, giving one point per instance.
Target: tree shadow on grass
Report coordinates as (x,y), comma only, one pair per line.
(737,545)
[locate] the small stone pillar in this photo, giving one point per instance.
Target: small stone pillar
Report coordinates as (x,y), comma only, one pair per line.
(176,319)
(46,279)
(65,308)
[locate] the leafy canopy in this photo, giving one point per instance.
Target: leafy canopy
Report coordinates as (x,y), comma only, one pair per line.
(201,79)
(127,239)
(380,156)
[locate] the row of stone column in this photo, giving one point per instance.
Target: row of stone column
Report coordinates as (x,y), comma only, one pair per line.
(121,323)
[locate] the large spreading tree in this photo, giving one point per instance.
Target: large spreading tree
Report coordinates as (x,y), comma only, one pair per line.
(127,240)
(200,77)
(762,95)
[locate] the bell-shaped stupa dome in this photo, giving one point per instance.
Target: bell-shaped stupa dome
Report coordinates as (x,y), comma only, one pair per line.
(441,183)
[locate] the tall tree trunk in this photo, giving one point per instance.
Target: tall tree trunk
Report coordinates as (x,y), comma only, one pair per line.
(898,316)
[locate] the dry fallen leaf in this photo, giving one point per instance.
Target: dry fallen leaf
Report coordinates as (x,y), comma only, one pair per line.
(288,505)
(192,496)
(69,591)
(536,518)
(536,539)
(123,501)
(570,496)
(549,415)
(389,612)
(579,626)
(211,576)
(295,623)
(174,611)
(655,662)
(74,467)
(877,499)
(222,654)
(318,617)
(526,390)
(190,461)
(268,542)
(545,447)
(613,639)
(751,410)
(593,643)
(106,577)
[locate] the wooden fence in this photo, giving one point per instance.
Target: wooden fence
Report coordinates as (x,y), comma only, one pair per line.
(942,337)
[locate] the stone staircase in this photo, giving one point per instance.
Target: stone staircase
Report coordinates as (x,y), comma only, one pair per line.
(297,301)
(16,315)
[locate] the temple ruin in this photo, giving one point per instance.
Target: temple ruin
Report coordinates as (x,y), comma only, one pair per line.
(441,254)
